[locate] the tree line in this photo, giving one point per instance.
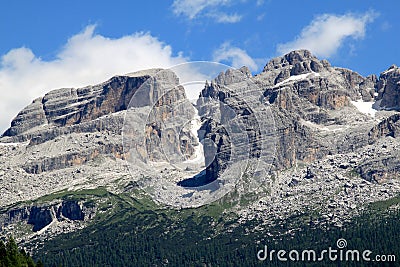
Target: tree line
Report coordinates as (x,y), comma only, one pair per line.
(11,256)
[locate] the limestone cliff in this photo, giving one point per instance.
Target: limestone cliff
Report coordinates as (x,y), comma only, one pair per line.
(389,89)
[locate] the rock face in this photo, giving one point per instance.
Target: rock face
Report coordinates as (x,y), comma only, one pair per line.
(389,89)
(311,104)
(220,104)
(70,209)
(315,81)
(326,79)
(70,106)
(387,127)
(380,169)
(308,98)
(308,94)
(169,112)
(86,112)
(41,216)
(294,63)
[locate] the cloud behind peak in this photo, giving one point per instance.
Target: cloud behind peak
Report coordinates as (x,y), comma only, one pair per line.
(86,58)
(327,32)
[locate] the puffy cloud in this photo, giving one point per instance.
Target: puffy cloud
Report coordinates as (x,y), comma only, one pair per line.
(235,56)
(326,33)
(209,8)
(87,58)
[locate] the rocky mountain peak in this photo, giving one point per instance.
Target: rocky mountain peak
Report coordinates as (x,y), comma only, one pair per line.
(86,123)
(148,72)
(393,67)
(299,56)
(233,76)
(297,62)
(388,88)
(72,106)
(393,70)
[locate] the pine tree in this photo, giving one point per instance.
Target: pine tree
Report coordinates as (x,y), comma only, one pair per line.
(3,254)
(3,251)
(12,253)
(10,256)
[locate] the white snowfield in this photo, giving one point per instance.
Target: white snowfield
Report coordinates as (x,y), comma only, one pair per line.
(365,107)
(199,153)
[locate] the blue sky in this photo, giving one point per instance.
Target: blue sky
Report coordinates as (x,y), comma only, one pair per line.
(50,44)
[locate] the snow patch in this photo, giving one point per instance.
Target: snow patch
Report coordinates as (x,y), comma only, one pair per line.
(365,107)
(198,152)
(193,90)
(297,78)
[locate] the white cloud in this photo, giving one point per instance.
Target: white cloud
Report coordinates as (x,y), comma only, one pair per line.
(208,8)
(191,8)
(236,56)
(326,33)
(226,18)
(87,58)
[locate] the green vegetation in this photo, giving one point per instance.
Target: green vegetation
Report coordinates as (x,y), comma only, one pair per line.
(74,195)
(385,204)
(11,256)
(136,232)
(131,230)
(84,194)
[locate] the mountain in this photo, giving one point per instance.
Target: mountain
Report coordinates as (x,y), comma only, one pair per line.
(301,143)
